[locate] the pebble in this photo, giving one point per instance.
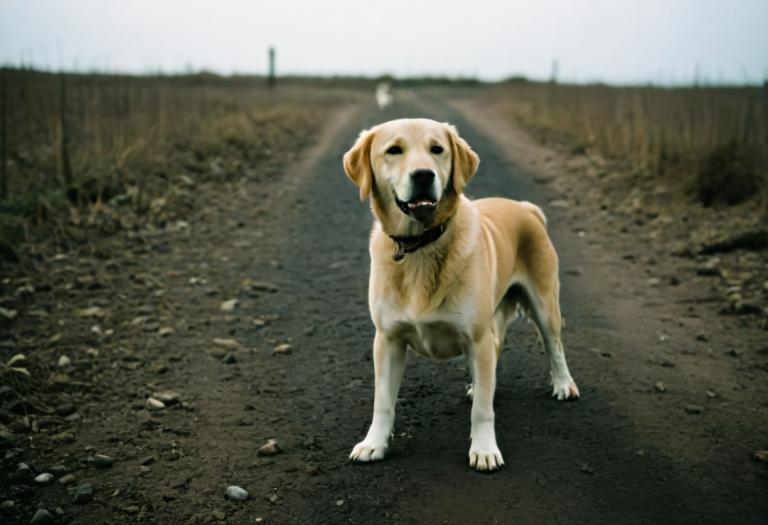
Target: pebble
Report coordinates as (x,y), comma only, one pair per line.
(219,515)
(339,502)
(41,516)
(7,505)
(169,397)
(760,455)
(236,493)
(67,479)
(102,461)
(63,437)
(270,448)
(84,493)
(226,342)
(64,361)
(46,478)
(283,349)
(694,409)
(155,404)
(660,387)
(65,409)
(229,359)
(228,306)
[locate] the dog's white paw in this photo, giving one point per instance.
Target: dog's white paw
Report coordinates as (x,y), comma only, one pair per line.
(565,389)
(368,451)
(485,457)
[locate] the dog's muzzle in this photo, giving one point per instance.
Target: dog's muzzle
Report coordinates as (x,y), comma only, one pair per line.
(423,201)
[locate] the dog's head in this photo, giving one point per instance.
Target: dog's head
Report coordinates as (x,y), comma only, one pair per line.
(414,169)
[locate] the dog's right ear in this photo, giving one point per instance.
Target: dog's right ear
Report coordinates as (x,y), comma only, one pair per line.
(357,163)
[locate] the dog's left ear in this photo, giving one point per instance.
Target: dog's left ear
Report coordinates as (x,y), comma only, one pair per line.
(464,160)
(357,163)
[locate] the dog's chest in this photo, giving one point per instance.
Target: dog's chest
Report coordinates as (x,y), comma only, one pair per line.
(436,338)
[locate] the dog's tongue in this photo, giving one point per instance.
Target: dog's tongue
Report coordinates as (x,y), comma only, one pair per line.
(420,203)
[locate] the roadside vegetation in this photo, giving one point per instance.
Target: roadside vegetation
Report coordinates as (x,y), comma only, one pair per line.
(79,147)
(710,142)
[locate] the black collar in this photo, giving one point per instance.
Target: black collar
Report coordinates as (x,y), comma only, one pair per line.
(410,243)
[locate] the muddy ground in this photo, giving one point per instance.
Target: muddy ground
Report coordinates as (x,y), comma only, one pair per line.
(674,394)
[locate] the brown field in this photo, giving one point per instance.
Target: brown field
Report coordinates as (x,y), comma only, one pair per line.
(712,141)
(77,139)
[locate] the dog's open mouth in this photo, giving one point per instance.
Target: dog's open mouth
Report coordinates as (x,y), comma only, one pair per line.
(420,208)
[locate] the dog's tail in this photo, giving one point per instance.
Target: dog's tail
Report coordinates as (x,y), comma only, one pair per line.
(531,207)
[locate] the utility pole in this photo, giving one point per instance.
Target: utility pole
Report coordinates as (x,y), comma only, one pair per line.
(271,78)
(3,135)
(554,71)
(64,167)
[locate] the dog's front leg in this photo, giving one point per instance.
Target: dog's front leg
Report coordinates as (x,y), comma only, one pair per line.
(388,362)
(484,453)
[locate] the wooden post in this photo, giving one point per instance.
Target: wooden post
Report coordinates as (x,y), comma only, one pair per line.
(271,78)
(554,71)
(65,170)
(3,135)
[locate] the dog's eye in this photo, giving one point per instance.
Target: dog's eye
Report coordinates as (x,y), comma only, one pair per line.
(394,150)
(436,149)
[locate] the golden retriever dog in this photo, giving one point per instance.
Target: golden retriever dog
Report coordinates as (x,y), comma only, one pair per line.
(448,274)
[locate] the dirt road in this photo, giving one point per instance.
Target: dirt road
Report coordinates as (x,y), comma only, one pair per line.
(628,452)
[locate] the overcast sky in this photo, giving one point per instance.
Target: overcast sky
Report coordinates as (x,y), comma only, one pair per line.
(618,41)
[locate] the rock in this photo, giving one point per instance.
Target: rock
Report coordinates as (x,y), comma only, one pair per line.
(67,479)
(760,455)
(46,478)
(229,359)
(711,268)
(102,461)
(65,409)
(83,493)
(710,394)
(259,286)
(674,280)
(227,343)
(17,360)
(63,437)
(694,409)
(283,349)
(701,336)
(169,397)
(586,468)
(236,493)
(219,515)
(148,460)
(653,281)
(660,388)
(339,502)
(7,393)
(747,308)
(154,404)
(218,352)
(41,517)
(270,448)
(165,331)
(8,314)
(64,361)
(7,506)
(229,306)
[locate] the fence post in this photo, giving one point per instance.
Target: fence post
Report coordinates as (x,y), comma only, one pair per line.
(65,170)
(271,78)
(3,134)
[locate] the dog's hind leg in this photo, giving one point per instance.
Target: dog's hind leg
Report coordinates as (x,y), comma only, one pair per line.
(389,362)
(545,310)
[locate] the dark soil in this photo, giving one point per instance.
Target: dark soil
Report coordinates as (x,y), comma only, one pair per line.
(293,251)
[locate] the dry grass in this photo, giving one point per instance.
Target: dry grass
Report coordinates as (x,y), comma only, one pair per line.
(677,134)
(125,133)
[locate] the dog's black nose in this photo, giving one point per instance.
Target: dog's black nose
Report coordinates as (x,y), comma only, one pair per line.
(422,178)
